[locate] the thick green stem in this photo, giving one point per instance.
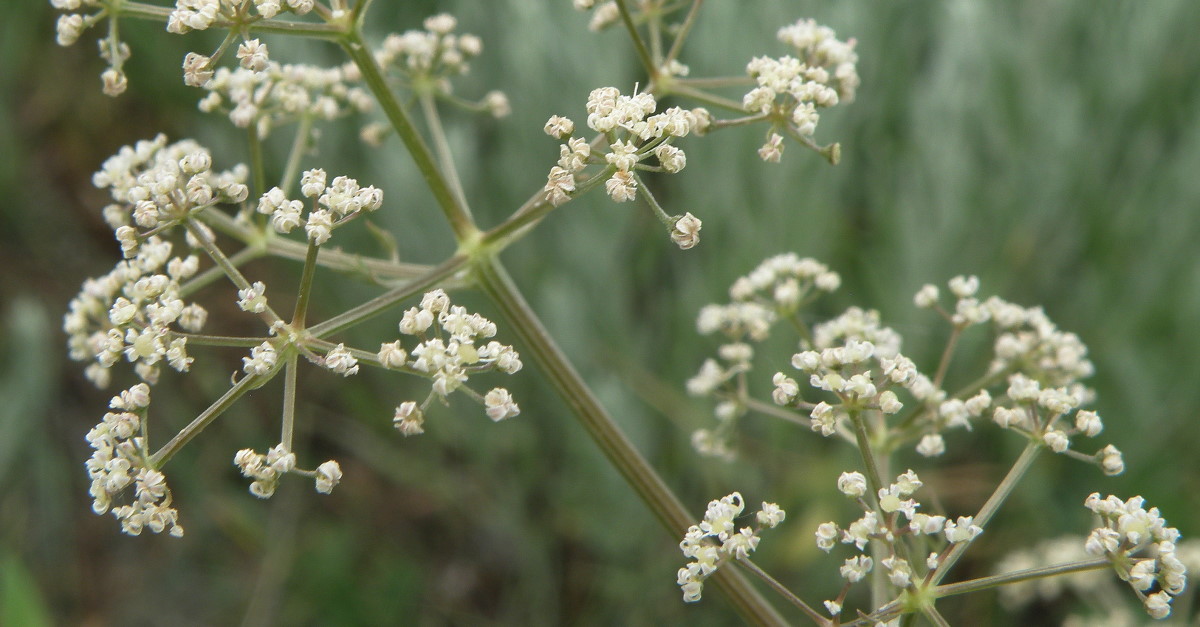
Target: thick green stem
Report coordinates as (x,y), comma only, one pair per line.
(663,503)
(289,403)
(456,214)
(305,291)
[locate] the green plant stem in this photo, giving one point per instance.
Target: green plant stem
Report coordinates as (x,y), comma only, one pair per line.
(640,46)
(437,275)
(1018,470)
(947,355)
(441,146)
(289,402)
(305,291)
(776,412)
(684,30)
(299,145)
(934,616)
(220,340)
(205,418)
(495,282)
(783,591)
(141,10)
(257,168)
(231,271)
(460,221)
(863,439)
(705,97)
(983,583)
(194,284)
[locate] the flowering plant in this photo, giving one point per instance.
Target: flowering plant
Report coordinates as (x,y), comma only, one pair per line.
(167,197)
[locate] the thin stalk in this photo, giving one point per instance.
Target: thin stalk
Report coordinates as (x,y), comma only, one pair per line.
(436,276)
(209,276)
(257,169)
(783,591)
(205,418)
(460,221)
(442,147)
(306,281)
(141,10)
(707,98)
(684,30)
(230,270)
(777,412)
(863,439)
(289,402)
(983,583)
(220,340)
(1020,467)
(947,354)
(638,45)
(495,282)
(935,616)
(299,145)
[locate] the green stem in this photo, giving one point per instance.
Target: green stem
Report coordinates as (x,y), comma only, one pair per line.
(983,583)
(947,354)
(456,214)
(684,30)
(231,271)
(204,419)
(707,98)
(209,276)
(220,340)
(663,503)
(783,591)
(299,145)
(442,147)
(141,10)
(435,276)
(638,45)
(257,168)
(289,402)
(935,616)
(1020,467)
(305,291)
(775,411)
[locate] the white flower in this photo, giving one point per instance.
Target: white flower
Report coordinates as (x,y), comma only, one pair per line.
(253,298)
(339,360)
(328,475)
(852,484)
(252,55)
(770,515)
(500,405)
(932,445)
(686,233)
(926,297)
(409,419)
(962,530)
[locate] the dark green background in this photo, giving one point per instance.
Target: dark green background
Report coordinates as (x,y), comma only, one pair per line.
(1053,149)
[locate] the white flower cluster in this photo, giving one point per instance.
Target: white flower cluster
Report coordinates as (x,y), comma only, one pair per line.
(717,539)
(888,530)
(435,53)
(266,470)
(790,90)
(1027,340)
(113,51)
(337,203)
(1040,413)
(634,133)
(605,14)
(773,291)
(1128,530)
(190,15)
(449,357)
(119,460)
(128,314)
(818,46)
(276,94)
(157,186)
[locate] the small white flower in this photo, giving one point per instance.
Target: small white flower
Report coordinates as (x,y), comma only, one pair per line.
(686,233)
(500,405)
(253,298)
(852,484)
(328,475)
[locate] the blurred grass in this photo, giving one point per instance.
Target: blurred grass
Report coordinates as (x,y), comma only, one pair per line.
(1050,148)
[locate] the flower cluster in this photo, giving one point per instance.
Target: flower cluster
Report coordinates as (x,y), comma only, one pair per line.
(337,203)
(1129,530)
(266,470)
(881,522)
(773,291)
(633,133)
(157,186)
(448,355)
(604,14)
(113,51)
(128,313)
(276,94)
(717,539)
(190,15)
(790,90)
(119,459)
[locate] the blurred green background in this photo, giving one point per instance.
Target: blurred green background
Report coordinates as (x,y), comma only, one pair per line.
(1053,149)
